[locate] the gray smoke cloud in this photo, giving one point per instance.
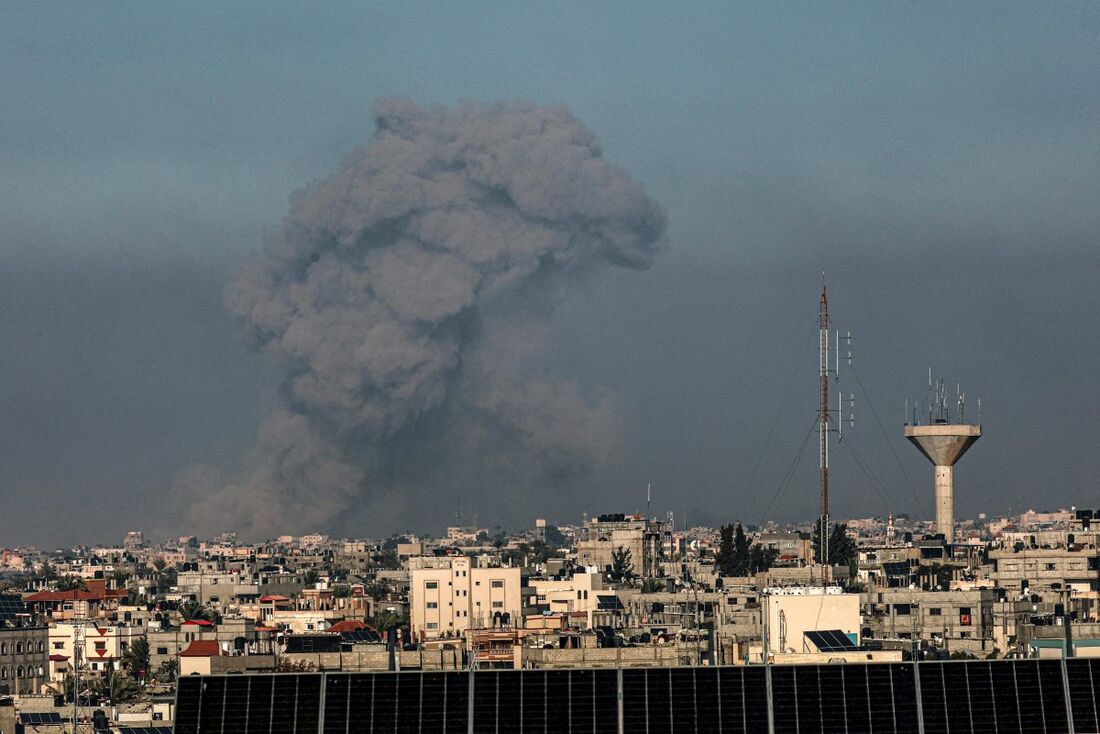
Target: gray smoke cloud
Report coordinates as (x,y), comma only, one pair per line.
(404,297)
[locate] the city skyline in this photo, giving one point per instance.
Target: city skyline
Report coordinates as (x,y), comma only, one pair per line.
(940,167)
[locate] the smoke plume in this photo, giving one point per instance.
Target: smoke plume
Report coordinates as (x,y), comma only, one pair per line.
(404,298)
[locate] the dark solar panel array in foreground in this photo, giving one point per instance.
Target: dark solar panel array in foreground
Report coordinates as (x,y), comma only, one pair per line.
(956,697)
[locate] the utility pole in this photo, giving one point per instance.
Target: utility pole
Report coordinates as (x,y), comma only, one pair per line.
(78,648)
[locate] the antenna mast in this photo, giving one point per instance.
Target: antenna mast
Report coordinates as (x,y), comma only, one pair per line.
(824,420)
(823,429)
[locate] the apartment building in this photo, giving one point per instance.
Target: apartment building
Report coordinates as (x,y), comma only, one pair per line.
(23,651)
(449,595)
(951,620)
(1019,569)
(646,540)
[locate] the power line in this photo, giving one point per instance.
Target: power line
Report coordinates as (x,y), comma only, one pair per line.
(798,364)
(891,503)
(789,473)
(916,498)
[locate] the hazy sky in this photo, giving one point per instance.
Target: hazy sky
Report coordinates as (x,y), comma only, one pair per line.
(940,161)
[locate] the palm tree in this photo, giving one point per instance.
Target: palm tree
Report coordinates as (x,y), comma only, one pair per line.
(71,583)
(136,658)
(192,610)
(120,576)
(311,577)
(119,687)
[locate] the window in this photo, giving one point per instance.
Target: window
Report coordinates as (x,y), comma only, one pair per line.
(498,584)
(162,651)
(498,604)
(19,672)
(3,673)
(935,612)
(433,625)
(19,650)
(3,648)
(59,646)
(101,646)
(41,646)
(431,584)
(964,616)
(1051,566)
(901,608)
(432,605)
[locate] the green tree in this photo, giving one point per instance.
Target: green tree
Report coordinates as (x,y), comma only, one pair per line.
(136,658)
(47,572)
(192,610)
(842,549)
(71,583)
(118,687)
(311,577)
(733,551)
(724,559)
(761,558)
(341,591)
(622,568)
(499,541)
(388,560)
(653,586)
(120,576)
(378,591)
(159,564)
(168,671)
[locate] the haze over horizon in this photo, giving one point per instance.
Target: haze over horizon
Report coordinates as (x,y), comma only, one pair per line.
(940,164)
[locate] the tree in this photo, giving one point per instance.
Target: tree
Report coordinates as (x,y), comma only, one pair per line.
(47,572)
(192,610)
(120,576)
(388,560)
(555,538)
(622,568)
(136,658)
(378,591)
(159,565)
(842,549)
(724,559)
(311,577)
(761,558)
(733,551)
(653,586)
(118,687)
(168,671)
(499,541)
(71,583)
(341,591)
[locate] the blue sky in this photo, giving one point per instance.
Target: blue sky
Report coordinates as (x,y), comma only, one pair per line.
(939,160)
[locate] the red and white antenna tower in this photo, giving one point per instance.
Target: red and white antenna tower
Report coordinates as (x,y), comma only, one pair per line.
(825,418)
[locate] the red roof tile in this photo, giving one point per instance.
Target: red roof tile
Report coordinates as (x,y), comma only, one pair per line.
(348,625)
(202,649)
(200,622)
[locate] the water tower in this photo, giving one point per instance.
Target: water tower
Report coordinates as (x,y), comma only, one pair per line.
(943,440)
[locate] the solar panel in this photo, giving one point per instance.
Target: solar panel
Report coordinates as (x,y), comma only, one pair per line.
(12,608)
(831,641)
(36,718)
(144,730)
(993,696)
(608,602)
(956,697)
(1084,682)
